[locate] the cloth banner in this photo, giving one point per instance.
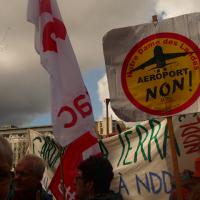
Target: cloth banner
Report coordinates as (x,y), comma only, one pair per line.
(187,132)
(153,69)
(72,113)
(44,146)
(141,157)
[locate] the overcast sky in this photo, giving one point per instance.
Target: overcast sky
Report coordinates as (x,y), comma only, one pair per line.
(24,84)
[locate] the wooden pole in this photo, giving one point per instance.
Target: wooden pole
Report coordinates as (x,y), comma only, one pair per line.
(176,171)
(107,117)
(155,19)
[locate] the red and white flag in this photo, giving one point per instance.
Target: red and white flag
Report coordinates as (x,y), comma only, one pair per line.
(72,114)
(80,149)
(73,122)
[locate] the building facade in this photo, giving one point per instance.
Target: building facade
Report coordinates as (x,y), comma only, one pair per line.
(19,137)
(115,127)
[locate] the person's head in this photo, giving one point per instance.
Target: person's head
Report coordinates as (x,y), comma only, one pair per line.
(6,158)
(94,177)
(28,173)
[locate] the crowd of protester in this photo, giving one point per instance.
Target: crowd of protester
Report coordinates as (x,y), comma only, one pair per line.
(94,176)
(24,183)
(93,179)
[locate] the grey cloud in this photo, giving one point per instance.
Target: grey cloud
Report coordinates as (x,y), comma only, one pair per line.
(24,84)
(87,23)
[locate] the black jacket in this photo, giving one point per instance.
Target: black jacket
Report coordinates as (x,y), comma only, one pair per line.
(107,196)
(28,195)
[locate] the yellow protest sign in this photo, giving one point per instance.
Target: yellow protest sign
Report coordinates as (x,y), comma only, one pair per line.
(160,74)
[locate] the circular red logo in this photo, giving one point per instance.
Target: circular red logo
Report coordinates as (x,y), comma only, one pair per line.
(160,74)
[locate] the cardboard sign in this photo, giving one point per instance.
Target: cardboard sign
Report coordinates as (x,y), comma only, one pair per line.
(154,70)
(167,80)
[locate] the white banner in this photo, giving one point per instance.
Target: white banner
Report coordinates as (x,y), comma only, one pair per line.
(141,157)
(44,146)
(187,129)
(139,160)
(153,69)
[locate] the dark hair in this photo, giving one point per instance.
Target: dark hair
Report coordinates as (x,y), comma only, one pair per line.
(99,170)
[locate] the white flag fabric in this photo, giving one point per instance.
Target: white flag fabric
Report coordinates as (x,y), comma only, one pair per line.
(71,108)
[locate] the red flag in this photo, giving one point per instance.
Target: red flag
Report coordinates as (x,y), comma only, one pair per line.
(80,149)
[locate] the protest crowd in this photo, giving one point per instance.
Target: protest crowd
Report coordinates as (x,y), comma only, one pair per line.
(93,179)
(157,158)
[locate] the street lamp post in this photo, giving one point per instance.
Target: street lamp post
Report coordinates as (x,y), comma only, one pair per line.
(107,117)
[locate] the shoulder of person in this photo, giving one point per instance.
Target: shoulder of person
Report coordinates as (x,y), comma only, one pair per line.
(11,191)
(108,196)
(195,192)
(115,196)
(45,195)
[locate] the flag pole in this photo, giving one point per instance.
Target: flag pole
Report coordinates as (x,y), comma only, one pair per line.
(176,171)
(107,100)
(155,20)
(62,174)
